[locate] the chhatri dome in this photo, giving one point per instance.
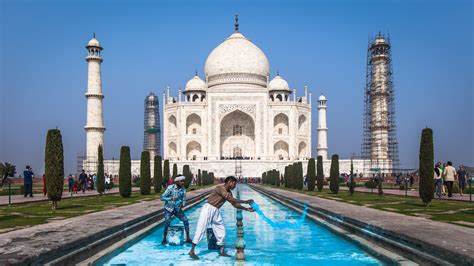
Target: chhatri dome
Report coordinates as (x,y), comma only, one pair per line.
(93,42)
(196,84)
(237,60)
(278,84)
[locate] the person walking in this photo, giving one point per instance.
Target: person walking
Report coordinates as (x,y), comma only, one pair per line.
(438,180)
(83,181)
(107,182)
(449,176)
(175,199)
(28,176)
(210,214)
(70,183)
(461,179)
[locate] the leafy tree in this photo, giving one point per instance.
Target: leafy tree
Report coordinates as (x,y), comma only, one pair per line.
(100,181)
(199,178)
(6,170)
(351,181)
(320,174)
(166,171)
(125,172)
(311,174)
(426,189)
(334,174)
(188,175)
(54,166)
(157,174)
(175,170)
(145,178)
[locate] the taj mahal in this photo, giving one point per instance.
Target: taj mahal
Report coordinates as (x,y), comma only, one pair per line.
(234,120)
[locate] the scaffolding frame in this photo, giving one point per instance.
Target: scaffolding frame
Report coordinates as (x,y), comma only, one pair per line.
(151,124)
(376,51)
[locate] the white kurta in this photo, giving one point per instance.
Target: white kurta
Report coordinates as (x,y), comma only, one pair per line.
(210,215)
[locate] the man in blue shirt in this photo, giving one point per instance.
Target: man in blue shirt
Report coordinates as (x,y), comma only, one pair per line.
(28,181)
(175,199)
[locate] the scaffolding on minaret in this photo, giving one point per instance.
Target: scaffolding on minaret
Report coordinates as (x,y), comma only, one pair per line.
(152,132)
(380,145)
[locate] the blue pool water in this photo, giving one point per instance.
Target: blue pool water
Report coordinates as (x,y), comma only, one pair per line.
(309,244)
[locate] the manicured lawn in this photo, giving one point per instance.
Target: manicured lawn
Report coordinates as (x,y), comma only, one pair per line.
(22,215)
(456,212)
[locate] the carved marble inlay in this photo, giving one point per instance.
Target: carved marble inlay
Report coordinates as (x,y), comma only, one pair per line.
(246,108)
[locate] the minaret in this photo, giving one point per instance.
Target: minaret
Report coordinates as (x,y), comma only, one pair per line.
(95,120)
(322,128)
(380,137)
(152,132)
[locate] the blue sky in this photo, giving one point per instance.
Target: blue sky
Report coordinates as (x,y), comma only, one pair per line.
(151,44)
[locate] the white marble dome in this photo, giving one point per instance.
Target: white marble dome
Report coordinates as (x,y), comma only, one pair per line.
(237,54)
(278,84)
(322,98)
(196,83)
(94,42)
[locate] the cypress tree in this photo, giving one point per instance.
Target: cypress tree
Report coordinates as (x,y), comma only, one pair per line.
(100,182)
(264,177)
(145,179)
(166,171)
(157,174)
(125,172)
(320,174)
(334,174)
(175,170)
(188,176)
(54,167)
(299,176)
(277,178)
(205,180)
(291,175)
(199,178)
(311,174)
(285,176)
(426,158)
(351,182)
(211,178)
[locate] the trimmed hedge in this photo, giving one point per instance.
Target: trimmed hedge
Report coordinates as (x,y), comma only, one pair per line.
(54,166)
(426,186)
(145,175)
(157,174)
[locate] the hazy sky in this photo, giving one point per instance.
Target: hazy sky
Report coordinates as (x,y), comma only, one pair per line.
(151,44)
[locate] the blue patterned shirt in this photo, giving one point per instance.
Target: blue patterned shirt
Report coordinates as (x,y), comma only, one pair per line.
(173,197)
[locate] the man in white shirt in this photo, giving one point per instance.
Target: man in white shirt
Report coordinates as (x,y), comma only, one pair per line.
(449,176)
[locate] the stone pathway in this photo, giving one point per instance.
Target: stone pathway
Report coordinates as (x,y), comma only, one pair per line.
(426,234)
(19,199)
(410,193)
(35,244)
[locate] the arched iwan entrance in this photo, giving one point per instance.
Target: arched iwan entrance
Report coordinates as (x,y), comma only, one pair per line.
(237,137)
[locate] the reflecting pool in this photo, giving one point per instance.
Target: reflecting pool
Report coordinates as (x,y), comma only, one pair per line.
(310,244)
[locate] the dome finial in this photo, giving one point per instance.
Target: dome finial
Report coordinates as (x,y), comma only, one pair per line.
(278,72)
(236,22)
(195,72)
(94,35)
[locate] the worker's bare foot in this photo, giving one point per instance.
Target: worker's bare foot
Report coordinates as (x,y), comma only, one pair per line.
(223,254)
(193,255)
(189,241)
(164,242)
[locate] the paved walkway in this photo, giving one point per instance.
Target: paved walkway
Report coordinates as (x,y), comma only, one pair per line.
(436,238)
(18,199)
(411,193)
(34,245)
